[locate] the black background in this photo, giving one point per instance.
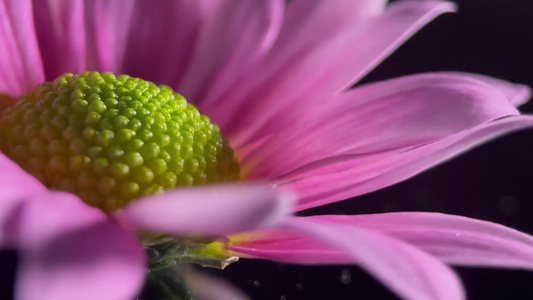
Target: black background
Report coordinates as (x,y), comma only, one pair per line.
(493,182)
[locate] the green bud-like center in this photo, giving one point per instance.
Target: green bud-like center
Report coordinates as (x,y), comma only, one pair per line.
(113,139)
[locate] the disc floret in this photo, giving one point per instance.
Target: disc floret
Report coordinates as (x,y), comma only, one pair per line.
(111,139)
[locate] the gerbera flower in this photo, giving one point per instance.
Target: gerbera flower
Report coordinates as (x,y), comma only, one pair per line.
(275,77)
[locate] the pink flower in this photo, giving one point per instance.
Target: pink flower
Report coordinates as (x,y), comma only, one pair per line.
(275,77)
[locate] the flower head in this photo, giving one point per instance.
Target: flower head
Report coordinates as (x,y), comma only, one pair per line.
(111,140)
(275,78)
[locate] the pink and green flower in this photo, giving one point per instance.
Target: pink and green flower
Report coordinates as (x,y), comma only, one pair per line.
(272,83)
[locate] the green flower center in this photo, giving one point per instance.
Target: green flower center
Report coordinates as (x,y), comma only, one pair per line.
(113,139)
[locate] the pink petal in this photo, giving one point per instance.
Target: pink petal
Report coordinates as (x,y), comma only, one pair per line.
(76,36)
(21,62)
(385,34)
(153,49)
(61,33)
(453,239)
(287,246)
(15,187)
(340,58)
(233,36)
(208,287)
(208,210)
(15,183)
(404,112)
(517,94)
(107,32)
(72,251)
(311,36)
(409,272)
(376,174)
(218,40)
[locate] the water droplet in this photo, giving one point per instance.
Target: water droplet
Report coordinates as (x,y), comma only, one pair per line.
(508,206)
(256,283)
(282,297)
(346,276)
(299,286)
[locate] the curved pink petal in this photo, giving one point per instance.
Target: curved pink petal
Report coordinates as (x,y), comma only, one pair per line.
(15,183)
(340,59)
(385,34)
(452,239)
(77,36)
(218,41)
(60,31)
(208,287)
(153,49)
(312,34)
(107,30)
(408,271)
(406,112)
(15,187)
(233,36)
(517,94)
(21,63)
(72,251)
(357,179)
(208,210)
(287,246)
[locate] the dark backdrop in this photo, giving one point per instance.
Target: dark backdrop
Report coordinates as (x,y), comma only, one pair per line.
(492,182)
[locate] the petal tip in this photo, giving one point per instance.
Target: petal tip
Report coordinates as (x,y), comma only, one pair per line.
(523,94)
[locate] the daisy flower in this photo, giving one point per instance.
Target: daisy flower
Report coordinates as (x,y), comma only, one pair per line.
(90,107)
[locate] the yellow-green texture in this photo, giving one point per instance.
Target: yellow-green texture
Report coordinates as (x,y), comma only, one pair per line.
(110,139)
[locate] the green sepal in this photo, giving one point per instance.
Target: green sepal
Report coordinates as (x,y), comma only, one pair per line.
(169,251)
